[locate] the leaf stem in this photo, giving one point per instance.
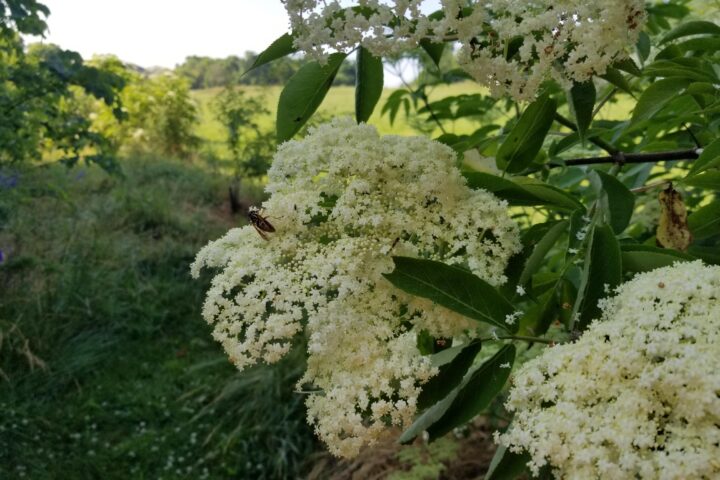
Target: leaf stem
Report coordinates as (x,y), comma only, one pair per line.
(594,140)
(650,186)
(602,102)
(424,98)
(523,338)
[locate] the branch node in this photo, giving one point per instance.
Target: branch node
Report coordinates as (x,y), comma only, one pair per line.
(619,159)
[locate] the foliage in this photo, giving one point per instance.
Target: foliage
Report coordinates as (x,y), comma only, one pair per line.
(206,72)
(23,16)
(584,172)
(161,115)
(40,116)
(158,113)
(105,370)
(251,146)
(426,462)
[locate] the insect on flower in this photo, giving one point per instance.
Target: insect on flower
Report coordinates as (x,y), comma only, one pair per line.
(260,222)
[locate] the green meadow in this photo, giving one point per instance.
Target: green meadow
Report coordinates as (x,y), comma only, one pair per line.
(340,101)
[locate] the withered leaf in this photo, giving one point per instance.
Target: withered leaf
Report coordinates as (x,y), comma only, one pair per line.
(673,231)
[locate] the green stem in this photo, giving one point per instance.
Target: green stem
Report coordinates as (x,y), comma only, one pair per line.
(602,102)
(594,140)
(651,186)
(523,338)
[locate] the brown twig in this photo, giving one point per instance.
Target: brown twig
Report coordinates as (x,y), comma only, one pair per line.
(622,158)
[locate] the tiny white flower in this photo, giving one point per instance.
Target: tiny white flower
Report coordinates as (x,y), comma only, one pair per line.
(320,274)
(636,393)
(512,317)
(567,47)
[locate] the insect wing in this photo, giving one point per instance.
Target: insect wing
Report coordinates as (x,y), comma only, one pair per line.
(264,224)
(260,232)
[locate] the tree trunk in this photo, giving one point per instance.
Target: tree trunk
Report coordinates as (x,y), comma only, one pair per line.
(234,197)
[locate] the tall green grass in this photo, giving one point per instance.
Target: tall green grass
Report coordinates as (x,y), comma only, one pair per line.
(108,370)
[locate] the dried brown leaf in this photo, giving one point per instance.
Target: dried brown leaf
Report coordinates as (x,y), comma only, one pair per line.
(673,231)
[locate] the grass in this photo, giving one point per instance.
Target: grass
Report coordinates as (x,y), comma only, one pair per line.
(108,370)
(340,101)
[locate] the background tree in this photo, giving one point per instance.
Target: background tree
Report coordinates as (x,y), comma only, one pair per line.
(206,72)
(251,147)
(39,118)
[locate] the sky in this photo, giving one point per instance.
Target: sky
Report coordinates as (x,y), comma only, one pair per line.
(161,33)
(164,32)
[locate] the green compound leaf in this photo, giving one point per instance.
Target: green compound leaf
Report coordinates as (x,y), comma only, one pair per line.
(705,222)
(709,158)
(467,400)
(453,288)
(434,50)
(617,201)
(281,47)
(581,99)
(627,65)
(303,94)
(526,138)
(643,46)
(707,253)
(523,191)
(707,180)
(368,84)
(506,465)
(614,76)
(601,274)
(692,28)
(656,96)
(476,394)
(450,376)
(643,258)
(534,262)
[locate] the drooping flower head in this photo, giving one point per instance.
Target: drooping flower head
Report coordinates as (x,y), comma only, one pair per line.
(342,201)
(509,46)
(638,395)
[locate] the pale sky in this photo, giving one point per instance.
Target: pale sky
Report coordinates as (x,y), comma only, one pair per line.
(163,32)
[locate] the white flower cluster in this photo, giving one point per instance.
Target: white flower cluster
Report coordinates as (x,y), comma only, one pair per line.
(320,26)
(343,201)
(638,395)
(509,46)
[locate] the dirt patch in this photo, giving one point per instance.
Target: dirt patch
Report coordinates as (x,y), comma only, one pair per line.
(469,460)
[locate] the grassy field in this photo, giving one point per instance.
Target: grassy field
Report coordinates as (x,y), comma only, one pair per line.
(107,369)
(339,101)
